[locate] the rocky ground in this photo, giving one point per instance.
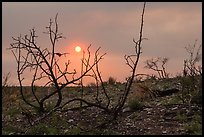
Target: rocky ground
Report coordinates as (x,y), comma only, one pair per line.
(156,117)
(164,115)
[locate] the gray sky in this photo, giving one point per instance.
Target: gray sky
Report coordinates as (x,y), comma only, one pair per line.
(169,26)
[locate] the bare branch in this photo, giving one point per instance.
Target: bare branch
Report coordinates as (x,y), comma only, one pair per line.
(123,98)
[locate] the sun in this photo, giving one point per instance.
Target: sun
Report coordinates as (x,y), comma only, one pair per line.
(77,49)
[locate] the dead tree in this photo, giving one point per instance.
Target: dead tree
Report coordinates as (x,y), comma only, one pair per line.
(191,68)
(132,62)
(190,65)
(44,65)
(191,81)
(5,82)
(157,65)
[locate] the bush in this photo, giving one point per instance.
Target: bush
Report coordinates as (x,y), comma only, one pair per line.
(42,129)
(194,128)
(191,90)
(197,98)
(111,81)
(135,104)
(92,84)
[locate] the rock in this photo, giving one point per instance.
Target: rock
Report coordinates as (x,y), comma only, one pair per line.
(66,130)
(174,108)
(70,120)
(11,133)
(161,120)
(69,111)
(164,132)
(147,119)
(158,104)
(148,109)
(19,120)
(126,109)
(128,124)
(161,110)
(141,129)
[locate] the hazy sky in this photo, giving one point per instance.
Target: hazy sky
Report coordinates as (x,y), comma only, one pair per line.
(169,26)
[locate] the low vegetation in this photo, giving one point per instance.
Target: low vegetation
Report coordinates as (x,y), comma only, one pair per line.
(90,121)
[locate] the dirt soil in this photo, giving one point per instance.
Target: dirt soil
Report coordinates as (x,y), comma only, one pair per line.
(161,116)
(153,119)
